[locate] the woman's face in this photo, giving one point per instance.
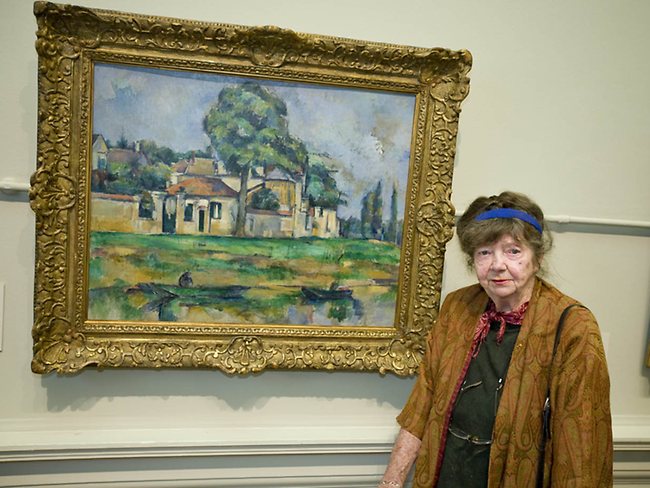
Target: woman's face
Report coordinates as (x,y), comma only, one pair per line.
(506,270)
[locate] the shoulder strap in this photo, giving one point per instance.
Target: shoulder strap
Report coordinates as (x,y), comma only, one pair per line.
(558,333)
(546,411)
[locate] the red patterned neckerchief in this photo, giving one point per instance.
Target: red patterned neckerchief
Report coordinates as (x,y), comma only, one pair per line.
(514,317)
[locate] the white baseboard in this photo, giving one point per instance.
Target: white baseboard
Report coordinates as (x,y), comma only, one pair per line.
(241,458)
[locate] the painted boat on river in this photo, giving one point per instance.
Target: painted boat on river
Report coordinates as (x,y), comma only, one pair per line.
(326,293)
(198,293)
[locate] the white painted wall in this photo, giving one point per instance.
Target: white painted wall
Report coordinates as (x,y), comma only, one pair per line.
(558,109)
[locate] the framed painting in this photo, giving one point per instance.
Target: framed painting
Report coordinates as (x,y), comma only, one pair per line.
(237,198)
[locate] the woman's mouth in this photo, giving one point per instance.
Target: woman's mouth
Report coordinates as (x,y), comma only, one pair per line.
(500,282)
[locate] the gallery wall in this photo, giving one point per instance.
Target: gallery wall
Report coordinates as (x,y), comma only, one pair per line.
(558,109)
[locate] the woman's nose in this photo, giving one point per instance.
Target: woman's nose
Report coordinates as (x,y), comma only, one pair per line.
(497,261)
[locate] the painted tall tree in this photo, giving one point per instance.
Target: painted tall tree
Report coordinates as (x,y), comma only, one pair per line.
(372,214)
(376,222)
(391,228)
(248,129)
(367,210)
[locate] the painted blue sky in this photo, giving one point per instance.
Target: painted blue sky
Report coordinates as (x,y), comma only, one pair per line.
(366,133)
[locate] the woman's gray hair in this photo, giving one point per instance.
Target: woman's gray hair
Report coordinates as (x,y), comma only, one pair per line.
(473,233)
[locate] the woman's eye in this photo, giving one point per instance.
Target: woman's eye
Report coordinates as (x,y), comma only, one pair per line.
(482,252)
(514,250)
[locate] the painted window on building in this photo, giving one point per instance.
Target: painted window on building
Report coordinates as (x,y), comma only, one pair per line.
(189,212)
(215,210)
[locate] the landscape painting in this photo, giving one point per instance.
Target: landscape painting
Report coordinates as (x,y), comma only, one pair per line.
(235,200)
(238,198)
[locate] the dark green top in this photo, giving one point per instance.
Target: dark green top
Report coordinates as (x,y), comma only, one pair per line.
(465,463)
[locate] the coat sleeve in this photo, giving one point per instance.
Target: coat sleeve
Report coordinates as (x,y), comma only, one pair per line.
(415,413)
(581,432)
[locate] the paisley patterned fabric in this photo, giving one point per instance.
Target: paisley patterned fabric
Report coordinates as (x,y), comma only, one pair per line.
(579,453)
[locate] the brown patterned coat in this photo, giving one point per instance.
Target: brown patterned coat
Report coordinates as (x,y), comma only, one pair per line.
(579,453)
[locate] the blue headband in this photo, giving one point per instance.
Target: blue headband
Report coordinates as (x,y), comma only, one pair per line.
(509,213)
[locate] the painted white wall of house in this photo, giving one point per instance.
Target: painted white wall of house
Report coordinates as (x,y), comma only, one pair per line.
(558,109)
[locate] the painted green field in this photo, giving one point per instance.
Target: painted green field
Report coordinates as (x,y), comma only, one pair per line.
(241,280)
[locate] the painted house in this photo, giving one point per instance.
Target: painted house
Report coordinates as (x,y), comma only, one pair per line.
(99,152)
(294,218)
(325,222)
(122,159)
(193,167)
(289,219)
(200,205)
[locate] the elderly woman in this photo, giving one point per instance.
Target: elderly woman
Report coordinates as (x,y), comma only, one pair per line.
(475,415)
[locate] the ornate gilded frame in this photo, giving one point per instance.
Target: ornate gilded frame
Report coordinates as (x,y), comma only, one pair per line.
(70,39)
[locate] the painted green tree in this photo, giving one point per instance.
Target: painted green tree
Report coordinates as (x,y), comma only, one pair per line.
(248,128)
(321,187)
(265,199)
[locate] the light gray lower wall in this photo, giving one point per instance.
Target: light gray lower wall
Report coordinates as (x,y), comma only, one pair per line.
(350,457)
(314,467)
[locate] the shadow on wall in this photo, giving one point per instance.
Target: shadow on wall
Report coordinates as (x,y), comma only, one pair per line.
(613,230)
(14,196)
(80,392)
(645,367)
